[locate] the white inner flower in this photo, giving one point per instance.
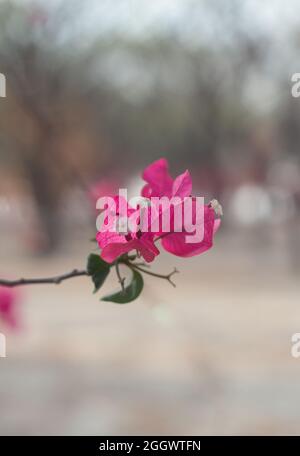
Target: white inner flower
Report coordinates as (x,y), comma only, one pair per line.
(217,207)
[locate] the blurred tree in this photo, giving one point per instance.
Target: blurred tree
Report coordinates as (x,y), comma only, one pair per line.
(89,93)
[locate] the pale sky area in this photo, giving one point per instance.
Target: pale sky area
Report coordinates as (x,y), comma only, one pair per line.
(136,17)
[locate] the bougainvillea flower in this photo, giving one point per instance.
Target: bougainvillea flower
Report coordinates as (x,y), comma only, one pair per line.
(159,184)
(114,244)
(8,304)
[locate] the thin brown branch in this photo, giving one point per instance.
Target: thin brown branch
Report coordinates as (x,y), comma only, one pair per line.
(56,280)
(154,274)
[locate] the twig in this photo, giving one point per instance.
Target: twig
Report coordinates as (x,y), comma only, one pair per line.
(120,278)
(49,280)
(154,274)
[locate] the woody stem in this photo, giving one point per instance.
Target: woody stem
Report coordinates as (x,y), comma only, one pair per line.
(154,274)
(56,280)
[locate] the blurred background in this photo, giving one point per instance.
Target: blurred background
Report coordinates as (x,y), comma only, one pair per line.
(96,91)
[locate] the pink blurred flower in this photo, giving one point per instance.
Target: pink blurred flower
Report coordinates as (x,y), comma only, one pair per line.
(103,187)
(159,184)
(38,16)
(8,307)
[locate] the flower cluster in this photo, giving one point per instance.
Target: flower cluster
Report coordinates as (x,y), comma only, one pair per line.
(119,246)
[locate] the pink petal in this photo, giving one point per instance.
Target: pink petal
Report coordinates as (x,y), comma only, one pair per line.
(158,177)
(176,243)
(114,245)
(182,185)
(105,238)
(146,191)
(112,251)
(147,248)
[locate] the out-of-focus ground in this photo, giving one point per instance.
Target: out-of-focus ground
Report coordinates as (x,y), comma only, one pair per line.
(209,357)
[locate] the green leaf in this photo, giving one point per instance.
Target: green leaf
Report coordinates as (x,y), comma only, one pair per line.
(130,293)
(98,269)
